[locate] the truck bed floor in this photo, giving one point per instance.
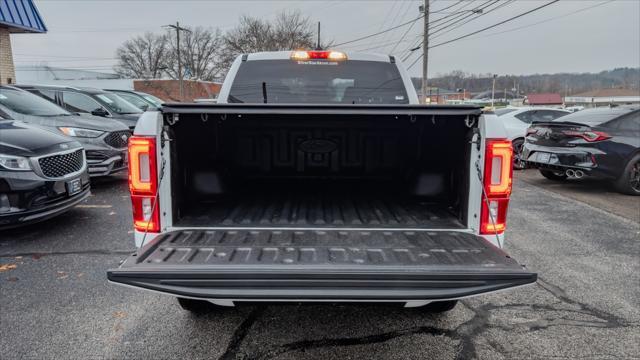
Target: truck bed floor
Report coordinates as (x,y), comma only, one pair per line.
(319,209)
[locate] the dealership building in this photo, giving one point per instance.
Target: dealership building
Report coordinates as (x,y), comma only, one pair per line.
(16,17)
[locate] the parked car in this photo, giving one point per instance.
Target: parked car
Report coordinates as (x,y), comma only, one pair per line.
(105,141)
(319,177)
(516,121)
(602,143)
(141,100)
(88,101)
(42,174)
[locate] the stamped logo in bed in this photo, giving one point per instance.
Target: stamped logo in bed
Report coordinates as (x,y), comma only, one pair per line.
(317,146)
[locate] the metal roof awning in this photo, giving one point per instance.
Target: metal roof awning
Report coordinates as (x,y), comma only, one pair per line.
(21,16)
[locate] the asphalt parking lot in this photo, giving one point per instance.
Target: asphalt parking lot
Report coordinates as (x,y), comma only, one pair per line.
(583,240)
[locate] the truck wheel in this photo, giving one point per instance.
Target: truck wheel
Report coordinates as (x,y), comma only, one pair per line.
(199,307)
(440,306)
(553,175)
(629,181)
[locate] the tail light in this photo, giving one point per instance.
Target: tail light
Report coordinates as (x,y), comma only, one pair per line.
(143,183)
(589,136)
(498,173)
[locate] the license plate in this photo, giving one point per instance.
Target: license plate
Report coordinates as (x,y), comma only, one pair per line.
(544,157)
(74,186)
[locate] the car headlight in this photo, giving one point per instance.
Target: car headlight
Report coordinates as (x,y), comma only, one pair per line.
(79,132)
(17,163)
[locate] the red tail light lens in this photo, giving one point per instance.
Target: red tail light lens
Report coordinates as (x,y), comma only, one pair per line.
(498,174)
(143,183)
(589,136)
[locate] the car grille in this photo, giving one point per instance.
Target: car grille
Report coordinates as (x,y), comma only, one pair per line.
(118,139)
(56,166)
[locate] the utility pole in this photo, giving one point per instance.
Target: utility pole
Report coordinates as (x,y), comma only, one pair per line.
(493,89)
(425,49)
(178,29)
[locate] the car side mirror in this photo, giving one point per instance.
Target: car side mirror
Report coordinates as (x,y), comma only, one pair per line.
(99,112)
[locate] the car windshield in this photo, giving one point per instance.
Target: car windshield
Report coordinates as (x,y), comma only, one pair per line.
(25,103)
(152,99)
(591,117)
(501,112)
(320,82)
(117,104)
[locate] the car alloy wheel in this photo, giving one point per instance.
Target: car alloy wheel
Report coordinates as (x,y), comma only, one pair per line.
(634,176)
(518,146)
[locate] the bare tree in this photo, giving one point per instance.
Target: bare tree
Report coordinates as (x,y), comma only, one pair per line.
(142,57)
(200,50)
(290,30)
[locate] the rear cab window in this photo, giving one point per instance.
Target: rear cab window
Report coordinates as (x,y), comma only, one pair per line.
(318,82)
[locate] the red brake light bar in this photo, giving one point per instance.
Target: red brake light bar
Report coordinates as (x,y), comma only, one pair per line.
(318,55)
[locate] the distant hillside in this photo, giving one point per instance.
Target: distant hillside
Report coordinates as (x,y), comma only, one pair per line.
(571,83)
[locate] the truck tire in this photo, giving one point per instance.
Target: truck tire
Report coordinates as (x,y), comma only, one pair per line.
(553,175)
(629,182)
(199,307)
(440,306)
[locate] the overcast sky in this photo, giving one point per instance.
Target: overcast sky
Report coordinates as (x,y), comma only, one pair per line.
(86,33)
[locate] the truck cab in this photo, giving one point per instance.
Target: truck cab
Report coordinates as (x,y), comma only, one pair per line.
(319,177)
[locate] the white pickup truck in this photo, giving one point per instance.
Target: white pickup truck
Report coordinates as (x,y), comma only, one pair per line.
(318,177)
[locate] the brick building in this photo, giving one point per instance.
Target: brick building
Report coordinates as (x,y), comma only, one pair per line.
(169,90)
(18,16)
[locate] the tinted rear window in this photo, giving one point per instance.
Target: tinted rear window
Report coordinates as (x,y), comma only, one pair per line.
(319,82)
(501,112)
(592,117)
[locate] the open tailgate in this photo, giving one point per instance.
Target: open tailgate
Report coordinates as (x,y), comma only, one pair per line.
(281,264)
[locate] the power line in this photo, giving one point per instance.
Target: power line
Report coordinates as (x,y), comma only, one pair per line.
(462,15)
(494,25)
(448,7)
(400,18)
(544,21)
(379,32)
(487,28)
(452,27)
(403,36)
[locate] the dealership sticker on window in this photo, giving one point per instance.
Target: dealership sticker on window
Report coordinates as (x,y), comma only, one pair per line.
(311,62)
(399,97)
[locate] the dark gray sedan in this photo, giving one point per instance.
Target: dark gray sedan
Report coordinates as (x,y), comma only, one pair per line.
(104,140)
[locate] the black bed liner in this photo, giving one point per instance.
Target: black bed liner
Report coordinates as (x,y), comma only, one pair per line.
(321,264)
(319,208)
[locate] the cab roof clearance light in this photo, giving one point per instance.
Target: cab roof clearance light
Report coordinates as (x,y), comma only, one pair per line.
(302,55)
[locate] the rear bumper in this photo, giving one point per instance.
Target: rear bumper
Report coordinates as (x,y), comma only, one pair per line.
(283,265)
(562,158)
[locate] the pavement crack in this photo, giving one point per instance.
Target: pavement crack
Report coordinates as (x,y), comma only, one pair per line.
(351,341)
(609,320)
(233,348)
(61,253)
